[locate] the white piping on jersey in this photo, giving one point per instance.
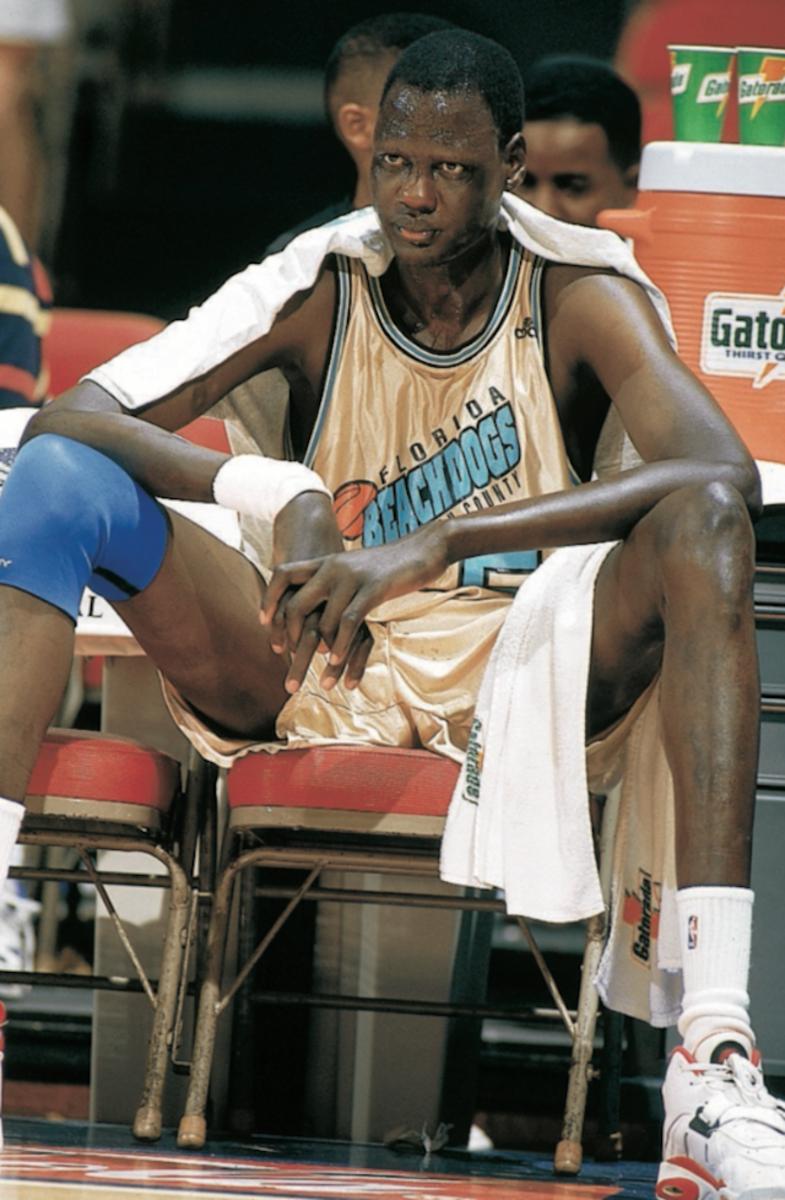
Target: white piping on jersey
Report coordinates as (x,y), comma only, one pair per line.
(535,308)
(342,301)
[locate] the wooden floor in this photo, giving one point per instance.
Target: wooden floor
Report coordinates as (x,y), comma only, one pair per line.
(73,1161)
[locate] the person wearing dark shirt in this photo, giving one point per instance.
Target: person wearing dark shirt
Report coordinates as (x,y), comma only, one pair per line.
(583,139)
(25,303)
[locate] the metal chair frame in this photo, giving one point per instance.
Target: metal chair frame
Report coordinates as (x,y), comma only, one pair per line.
(316,840)
(89,826)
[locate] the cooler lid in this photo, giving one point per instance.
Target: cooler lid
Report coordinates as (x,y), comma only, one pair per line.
(706,167)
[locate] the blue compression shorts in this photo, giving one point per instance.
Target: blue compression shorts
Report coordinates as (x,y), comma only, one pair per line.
(71,518)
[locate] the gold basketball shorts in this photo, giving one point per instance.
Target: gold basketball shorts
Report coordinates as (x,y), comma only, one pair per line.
(419,688)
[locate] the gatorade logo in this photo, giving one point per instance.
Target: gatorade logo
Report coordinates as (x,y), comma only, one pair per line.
(713,88)
(767,85)
(641,910)
(472,769)
(680,78)
(744,335)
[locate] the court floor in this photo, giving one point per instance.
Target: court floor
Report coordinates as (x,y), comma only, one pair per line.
(47,1160)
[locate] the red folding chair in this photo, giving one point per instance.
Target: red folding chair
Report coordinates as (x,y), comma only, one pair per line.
(91,792)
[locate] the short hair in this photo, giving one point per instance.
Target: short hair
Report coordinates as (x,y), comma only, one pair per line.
(564,85)
(375,38)
(459,61)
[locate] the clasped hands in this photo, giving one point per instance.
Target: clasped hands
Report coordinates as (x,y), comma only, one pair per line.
(321,602)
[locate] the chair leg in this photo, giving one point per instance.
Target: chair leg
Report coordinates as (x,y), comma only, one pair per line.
(569,1152)
(147,1122)
(192,1131)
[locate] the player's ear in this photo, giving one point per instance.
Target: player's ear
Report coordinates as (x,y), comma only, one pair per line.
(354,124)
(630,176)
(515,161)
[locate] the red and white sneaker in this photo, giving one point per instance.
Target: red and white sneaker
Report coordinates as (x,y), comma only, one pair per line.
(724,1134)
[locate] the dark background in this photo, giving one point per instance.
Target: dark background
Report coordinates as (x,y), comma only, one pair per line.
(165,199)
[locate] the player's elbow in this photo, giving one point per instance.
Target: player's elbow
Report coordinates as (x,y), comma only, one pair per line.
(745,478)
(58,416)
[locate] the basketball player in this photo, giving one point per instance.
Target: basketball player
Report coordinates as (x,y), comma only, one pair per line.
(583,138)
(453,356)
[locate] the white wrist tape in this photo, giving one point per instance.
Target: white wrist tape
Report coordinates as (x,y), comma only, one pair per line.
(261,487)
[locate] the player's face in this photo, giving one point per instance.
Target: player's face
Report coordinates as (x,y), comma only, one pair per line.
(570,173)
(438,173)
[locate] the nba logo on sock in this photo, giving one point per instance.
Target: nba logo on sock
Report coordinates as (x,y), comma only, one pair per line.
(692,932)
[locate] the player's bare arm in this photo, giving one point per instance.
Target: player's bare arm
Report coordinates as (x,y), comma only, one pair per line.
(143,443)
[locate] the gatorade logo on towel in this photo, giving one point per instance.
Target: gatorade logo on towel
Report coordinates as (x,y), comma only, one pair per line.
(473,764)
(744,335)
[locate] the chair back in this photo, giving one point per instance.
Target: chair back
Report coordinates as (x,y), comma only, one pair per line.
(82,338)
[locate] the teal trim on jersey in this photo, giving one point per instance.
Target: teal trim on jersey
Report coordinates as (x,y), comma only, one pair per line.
(456,357)
(535,308)
(343,301)
(474,571)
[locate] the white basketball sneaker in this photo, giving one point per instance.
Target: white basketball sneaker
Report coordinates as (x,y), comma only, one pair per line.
(724,1134)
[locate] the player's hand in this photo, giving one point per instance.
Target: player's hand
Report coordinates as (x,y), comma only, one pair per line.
(339,590)
(305,528)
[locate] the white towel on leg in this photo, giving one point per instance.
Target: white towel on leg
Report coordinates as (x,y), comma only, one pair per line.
(519,818)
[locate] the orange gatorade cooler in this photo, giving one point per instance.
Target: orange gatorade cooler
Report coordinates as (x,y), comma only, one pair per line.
(709,229)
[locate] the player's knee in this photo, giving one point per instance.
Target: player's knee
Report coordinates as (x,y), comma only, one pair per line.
(712,534)
(52,483)
(70,516)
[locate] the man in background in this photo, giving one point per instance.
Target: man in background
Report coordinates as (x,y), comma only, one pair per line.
(583,139)
(354,76)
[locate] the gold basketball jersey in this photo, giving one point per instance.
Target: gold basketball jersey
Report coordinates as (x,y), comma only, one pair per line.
(407,435)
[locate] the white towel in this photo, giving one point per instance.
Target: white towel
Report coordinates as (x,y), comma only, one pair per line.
(244,308)
(519,818)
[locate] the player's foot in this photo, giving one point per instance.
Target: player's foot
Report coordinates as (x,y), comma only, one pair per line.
(724,1134)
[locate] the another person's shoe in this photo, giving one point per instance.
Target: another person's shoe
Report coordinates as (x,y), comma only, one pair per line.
(17,937)
(2,1056)
(724,1134)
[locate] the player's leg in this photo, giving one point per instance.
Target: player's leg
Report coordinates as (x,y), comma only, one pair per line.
(198,621)
(677,597)
(69,516)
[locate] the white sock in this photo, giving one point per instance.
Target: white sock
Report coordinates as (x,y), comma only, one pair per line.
(11,815)
(715,928)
